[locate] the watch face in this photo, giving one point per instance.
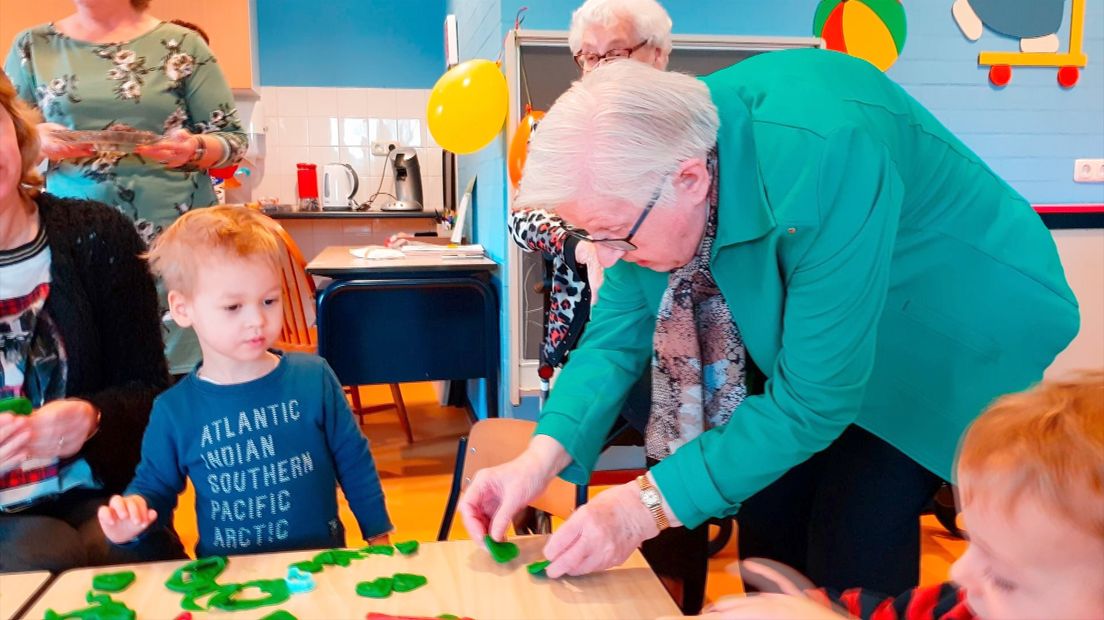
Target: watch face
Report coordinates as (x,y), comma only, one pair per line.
(650,496)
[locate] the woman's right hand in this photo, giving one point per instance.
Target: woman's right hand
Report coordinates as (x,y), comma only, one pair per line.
(498,493)
(55,149)
(124,518)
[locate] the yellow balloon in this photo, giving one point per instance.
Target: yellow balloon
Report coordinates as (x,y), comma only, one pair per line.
(467,106)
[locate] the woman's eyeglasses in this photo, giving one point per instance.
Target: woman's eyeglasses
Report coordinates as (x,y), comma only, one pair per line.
(623,244)
(589,60)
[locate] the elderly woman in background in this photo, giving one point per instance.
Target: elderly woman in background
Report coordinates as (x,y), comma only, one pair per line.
(109,64)
(829,287)
(601,31)
(79,332)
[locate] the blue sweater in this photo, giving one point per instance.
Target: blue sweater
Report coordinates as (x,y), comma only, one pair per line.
(264,457)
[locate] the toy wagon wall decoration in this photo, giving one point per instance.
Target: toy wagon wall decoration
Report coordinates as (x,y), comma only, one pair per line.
(1036,24)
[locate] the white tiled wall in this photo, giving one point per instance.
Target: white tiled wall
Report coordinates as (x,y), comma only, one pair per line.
(327,125)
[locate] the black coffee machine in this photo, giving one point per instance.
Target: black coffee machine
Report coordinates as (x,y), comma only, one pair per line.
(408,181)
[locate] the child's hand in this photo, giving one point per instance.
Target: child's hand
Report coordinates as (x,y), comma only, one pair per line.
(124,518)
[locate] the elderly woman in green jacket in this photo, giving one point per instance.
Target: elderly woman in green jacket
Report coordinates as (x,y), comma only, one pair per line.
(828,285)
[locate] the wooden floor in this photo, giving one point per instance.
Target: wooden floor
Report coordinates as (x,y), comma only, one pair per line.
(416,479)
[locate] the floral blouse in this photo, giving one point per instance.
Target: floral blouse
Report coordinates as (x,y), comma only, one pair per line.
(164,79)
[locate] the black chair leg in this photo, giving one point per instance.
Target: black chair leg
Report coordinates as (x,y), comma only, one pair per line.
(580,494)
(946,511)
(719,541)
(454,492)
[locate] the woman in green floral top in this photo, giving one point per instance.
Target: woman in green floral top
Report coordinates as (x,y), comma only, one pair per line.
(162,78)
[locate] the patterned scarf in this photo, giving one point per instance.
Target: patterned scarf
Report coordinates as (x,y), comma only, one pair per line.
(698,365)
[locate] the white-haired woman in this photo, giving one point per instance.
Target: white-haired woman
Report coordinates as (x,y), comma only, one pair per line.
(111,62)
(601,31)
(829,287)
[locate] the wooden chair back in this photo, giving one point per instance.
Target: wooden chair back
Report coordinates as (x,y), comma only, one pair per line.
(494,441)
(298,289)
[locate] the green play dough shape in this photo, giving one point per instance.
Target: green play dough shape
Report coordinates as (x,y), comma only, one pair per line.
(280,614)
(308,566)
(537,568)
(409,547)
(100,607)
(502,552)
(187,603)
(378,550)
(337,557)
(17,405)
(197,576)
(377,588)
(448,617)
(113,582)
(276,591)
(405,582)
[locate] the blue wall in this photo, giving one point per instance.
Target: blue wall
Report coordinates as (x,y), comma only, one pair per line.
(1029,132)
(479,34)
(361,43)
(774,17)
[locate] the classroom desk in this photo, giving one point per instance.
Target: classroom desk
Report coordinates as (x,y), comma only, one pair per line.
(18,589)
(420,318)
(463,580)
(336,262)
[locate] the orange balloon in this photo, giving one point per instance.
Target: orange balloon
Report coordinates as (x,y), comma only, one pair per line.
(519,146)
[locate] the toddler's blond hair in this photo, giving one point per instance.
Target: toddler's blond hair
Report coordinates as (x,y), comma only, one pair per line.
(199,238)
(1046,443)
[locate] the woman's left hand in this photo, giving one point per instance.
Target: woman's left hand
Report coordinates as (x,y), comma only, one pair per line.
(601,534)
(60,427)
(173,151)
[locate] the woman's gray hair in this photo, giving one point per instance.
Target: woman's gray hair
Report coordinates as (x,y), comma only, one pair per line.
(616,134)
(650,21)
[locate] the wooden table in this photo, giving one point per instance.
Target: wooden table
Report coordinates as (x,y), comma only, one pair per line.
(418,318)
(335,261)
(18,589)
(463,580)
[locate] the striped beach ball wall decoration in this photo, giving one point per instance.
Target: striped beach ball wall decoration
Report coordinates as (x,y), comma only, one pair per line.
(873,30)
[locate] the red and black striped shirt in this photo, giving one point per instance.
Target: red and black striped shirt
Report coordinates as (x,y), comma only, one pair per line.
(945,601)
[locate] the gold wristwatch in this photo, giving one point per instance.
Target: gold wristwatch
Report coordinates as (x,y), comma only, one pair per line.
(650,497)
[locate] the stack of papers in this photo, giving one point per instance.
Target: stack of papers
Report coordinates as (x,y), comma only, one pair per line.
(413,248)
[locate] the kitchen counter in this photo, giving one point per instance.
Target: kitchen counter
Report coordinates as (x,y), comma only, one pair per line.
(342,215)
(315,230)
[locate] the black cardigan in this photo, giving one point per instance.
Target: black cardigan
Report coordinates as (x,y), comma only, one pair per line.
(104,302)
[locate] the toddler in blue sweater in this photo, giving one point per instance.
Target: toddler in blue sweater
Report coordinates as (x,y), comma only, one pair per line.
(264,436)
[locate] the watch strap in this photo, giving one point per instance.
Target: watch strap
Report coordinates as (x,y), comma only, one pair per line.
(650,497)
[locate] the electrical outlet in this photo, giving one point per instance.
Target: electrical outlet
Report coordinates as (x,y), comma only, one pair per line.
(383,147)
(1088,170)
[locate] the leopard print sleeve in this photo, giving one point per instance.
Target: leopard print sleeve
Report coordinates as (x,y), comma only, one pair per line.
(534,230)
(569,300)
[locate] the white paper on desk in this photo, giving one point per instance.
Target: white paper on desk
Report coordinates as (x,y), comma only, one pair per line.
(376,252)
(428,249)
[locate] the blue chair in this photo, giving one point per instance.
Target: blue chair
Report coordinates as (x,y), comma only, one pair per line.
(298,332)
(409,329)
